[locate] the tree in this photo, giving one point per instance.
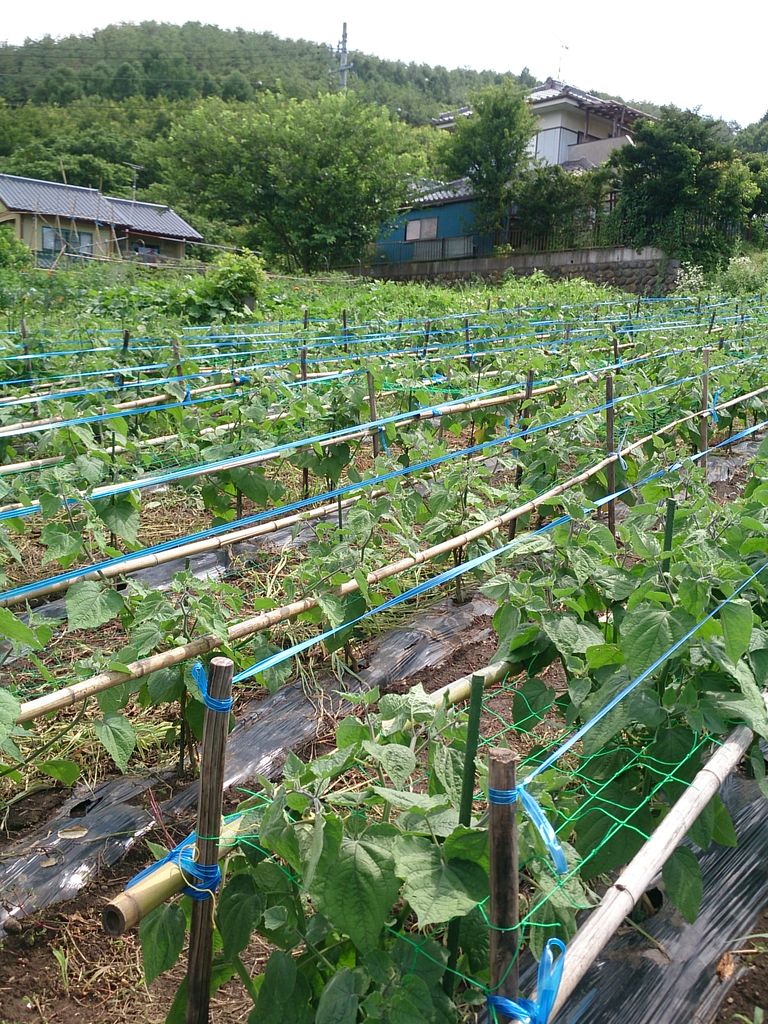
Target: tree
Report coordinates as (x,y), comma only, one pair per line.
(490,148)
(552,202)
(682,188)
(309,181)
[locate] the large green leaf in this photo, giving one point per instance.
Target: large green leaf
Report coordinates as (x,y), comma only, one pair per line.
(9,712)
(358,894)
(397,760)
(118,736)
(648,632)
(569,635)
(736,620)
(121,516)
(18,632)
(283,986)
(91,604)
(62,543)
(437,889)
(340,998)
(161,935)
(239,910)
(682,880)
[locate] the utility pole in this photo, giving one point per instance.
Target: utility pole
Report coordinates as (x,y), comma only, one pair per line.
(341,53)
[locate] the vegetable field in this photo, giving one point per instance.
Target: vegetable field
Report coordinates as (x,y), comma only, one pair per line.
(285,492)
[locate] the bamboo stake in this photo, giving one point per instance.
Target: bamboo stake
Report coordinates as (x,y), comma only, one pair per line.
(373,415)
(503,878)
(610,446)
(704,421)
(68,695)
(519,471)
(208,818)
(629,887)
(669,528)
(305,469)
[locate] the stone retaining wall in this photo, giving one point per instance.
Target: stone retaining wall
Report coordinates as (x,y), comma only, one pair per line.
(646,271)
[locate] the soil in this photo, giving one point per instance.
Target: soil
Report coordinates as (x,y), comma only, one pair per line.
(750,965)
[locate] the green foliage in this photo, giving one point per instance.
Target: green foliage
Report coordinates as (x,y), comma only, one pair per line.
(14,255)
(490,148)
(682,188)
(285,182)
(554,203)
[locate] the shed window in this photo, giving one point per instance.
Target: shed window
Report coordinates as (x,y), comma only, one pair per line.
(68,240)
(420,230)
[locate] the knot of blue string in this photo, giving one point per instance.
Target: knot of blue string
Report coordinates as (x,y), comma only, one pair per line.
(205,878)
(619,449)
(539,819)
(529,1011)
(713,405)
(212,703)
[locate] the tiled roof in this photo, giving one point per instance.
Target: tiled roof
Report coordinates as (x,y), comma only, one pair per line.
(552,90)
(444,192)
(53,199)
(152,218)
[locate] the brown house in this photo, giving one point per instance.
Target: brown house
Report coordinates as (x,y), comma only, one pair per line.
(57,220)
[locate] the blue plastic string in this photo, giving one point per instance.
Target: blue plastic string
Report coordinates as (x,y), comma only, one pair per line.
(206,878)
(618,451)
(212,703)
(550,974)
(713,406)
(538,818)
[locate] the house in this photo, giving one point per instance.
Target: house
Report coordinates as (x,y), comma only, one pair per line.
(438,224)
(57,220)
(576,130)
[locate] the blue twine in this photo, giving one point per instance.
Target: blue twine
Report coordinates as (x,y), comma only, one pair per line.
(206,877)
(538,819)
(618,451)
(713,405)
(529,1011)
(212,703)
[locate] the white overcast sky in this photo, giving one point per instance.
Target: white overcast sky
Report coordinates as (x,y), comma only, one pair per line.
(693,53)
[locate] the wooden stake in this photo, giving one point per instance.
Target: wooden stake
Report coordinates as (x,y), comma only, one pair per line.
(504,883)
(372,412)
(669,529)
(427,330)
(704,421)
(610,447)
(344,325)
(208,824)
(126,340)
(306,317)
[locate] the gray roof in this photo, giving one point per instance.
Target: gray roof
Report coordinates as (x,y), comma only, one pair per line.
(554,90)
(446,192)
(49,198)
(53,199)
(152,218)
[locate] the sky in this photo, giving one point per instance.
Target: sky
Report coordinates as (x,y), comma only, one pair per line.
(663,51)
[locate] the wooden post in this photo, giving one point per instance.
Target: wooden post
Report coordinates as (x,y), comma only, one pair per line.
(704,420)
(519,471)
(616,353)
(126,339)
(610,470)
(465,814)
(467,342)
(344,329)
(669,528)
(427,331)
(372,412)
(711,323)
(208,826)
(504,902)
(306,317)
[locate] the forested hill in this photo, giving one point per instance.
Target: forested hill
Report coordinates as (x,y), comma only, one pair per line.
(186,62)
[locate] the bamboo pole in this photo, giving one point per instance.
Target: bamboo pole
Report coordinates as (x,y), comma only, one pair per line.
(610,446)
(523,426)
(207,846)
(503,878)
(372,412)
(704,421)
(629,887)
(69,695)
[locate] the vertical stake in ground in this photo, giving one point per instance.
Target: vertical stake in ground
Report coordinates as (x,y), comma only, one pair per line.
(303,370)
(610,448)
(215,729)
(372,412)
(504,881)
(669,527)
(704,418)
(344,327)
(465,814)
(523,426)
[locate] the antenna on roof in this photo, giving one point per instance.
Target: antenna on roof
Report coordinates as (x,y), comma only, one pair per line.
(563,47)
(135,168)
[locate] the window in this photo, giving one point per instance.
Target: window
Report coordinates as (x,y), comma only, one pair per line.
(421,230)
(54,240)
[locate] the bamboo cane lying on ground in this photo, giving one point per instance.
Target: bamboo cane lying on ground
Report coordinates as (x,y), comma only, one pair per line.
(68,695)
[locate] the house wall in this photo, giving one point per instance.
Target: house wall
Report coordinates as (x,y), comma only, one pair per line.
(455,221)
(169,248)
(562,127)
(29,229)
